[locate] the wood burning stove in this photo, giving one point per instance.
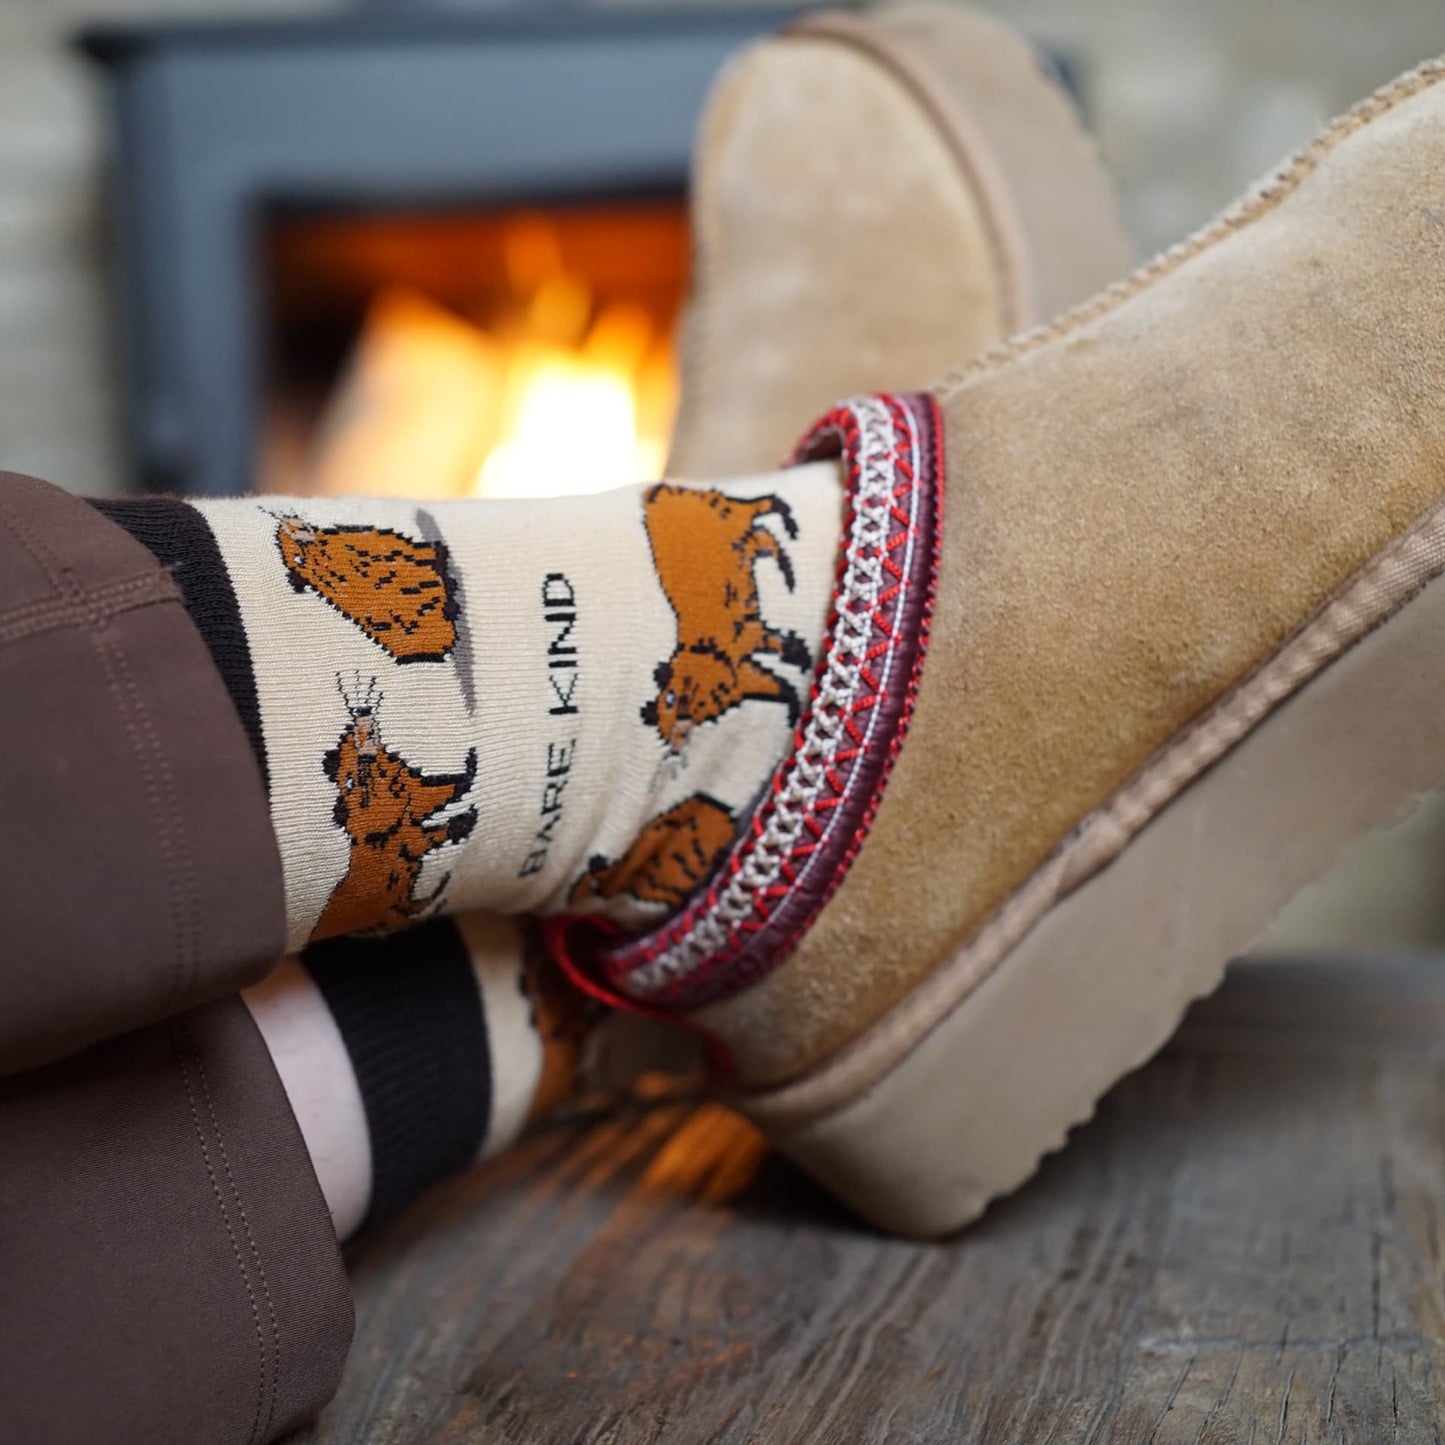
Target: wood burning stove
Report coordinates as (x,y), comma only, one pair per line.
(333,234)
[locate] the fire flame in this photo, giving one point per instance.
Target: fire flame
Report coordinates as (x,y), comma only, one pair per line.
(558,395)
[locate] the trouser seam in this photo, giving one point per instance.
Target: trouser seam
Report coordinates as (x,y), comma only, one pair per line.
(87,605)
(264,1375)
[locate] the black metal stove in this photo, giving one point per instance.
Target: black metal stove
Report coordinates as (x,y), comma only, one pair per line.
(219,127)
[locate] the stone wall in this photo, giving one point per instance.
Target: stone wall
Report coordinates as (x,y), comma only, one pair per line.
(1194,101)
(57,394)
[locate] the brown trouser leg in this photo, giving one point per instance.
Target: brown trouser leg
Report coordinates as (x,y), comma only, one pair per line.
(167,1266)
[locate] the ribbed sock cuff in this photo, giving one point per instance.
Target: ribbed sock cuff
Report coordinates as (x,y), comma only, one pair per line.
(411,1016)
(181,541)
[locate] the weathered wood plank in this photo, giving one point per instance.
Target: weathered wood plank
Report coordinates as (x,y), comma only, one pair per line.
(1245,1245)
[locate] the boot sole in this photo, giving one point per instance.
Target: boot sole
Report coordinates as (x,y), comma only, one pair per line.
(1015,154)
(953,1097)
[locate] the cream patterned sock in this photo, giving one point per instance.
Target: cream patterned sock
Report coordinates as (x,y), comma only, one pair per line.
(568,705)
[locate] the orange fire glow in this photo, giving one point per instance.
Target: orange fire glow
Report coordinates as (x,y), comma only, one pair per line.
(559,393)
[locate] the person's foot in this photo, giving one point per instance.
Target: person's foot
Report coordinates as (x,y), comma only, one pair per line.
(945,118)
(826,149)
(958,115)
(1187,641)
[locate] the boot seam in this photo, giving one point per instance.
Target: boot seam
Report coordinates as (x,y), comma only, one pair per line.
(1265,196)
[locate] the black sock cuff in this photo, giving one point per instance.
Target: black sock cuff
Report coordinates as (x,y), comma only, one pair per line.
(179,538)
(411,1016)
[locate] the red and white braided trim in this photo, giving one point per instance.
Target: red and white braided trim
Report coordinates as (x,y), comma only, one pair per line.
(797,847)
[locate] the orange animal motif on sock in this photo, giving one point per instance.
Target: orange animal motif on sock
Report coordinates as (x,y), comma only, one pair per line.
(388,810)
(673,854)
(396,590)
(705,546)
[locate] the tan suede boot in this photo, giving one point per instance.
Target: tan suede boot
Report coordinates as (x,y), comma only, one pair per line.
(936,110)
(825,149)
(1188,641)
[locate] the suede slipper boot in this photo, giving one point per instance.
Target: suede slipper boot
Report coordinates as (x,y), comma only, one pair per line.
(938,110)
(820,150)
(1187,641)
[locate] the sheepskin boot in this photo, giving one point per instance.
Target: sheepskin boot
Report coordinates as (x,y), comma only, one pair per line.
(1138,623)
(824,150)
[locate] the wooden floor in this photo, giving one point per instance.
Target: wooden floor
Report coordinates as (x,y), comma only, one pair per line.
(1244,1245)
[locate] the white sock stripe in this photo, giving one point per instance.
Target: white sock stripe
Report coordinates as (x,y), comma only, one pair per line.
(494,945)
